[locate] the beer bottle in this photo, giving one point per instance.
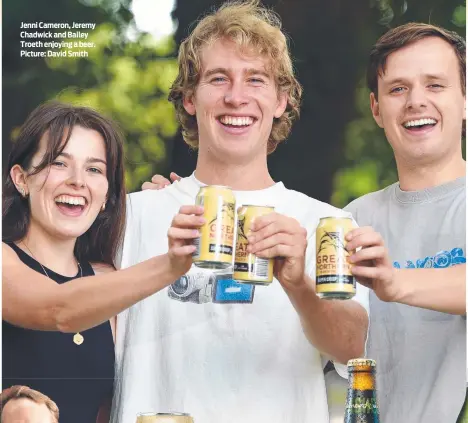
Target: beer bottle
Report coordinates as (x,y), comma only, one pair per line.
(361,402)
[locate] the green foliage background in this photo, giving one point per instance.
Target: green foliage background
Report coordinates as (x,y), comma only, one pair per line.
(368,163)
(125,77)
(128,74)
(131,84)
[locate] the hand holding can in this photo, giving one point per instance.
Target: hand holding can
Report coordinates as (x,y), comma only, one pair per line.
(334,279)
(282,238)
(215,245)
(249,268)
(184,229)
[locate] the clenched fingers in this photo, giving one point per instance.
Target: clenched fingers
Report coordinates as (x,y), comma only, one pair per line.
(280,251)
(371,253)
(364,239)
(270,224)
(185,234)
(188,221)
(275,240)
(189,217)
(183,250)
(191,209)
(370,273)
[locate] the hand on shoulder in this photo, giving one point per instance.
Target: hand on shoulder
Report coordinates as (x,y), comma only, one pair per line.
(160,182)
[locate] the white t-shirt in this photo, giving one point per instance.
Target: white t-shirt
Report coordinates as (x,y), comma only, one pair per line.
(228,352)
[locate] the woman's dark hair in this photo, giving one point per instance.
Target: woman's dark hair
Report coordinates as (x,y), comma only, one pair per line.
(55,120)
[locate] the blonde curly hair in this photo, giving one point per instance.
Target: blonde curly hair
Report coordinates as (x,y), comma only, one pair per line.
(254,29)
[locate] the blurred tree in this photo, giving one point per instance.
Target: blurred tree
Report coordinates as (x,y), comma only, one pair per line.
(126,75)
(335,152)
(130,82)
(368,163)
(28,81)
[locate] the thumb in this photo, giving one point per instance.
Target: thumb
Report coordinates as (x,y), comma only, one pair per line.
(174,177)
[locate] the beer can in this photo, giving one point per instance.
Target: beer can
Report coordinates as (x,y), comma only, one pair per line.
(164,418)
(334,279)
(215,245)
(248,268)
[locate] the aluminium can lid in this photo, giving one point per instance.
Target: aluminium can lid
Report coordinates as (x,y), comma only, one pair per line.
(256,205)
(172,414)
(215,186)
(336,217)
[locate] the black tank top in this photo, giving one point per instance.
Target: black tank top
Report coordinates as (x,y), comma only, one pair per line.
(79,378)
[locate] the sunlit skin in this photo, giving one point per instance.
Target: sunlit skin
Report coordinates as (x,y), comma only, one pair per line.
(23,410)
(237,85)
(78,173)
(422,80)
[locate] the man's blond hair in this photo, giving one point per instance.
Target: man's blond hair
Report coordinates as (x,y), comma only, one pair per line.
(255,30)
(24,392)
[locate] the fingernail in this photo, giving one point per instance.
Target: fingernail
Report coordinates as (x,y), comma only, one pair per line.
(196,233)
(251,239)
(348,237)
(249,249)
(252,226)
(350,259)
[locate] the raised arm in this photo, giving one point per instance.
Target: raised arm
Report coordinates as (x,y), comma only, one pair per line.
(434,289)
(33,301)
(336,328)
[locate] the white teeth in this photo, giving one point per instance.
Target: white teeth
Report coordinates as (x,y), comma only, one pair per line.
(419,122)
(236,121)
(76,201)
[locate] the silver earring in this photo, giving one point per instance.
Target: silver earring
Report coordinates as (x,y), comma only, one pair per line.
(22,192)
(103,206)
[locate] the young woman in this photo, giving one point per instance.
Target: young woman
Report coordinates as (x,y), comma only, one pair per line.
(63,222)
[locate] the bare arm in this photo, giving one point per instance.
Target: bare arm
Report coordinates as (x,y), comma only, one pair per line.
(336,328)
(99,268)
(435,289)
(33,301)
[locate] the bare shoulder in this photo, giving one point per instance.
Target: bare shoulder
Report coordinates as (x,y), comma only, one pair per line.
(102,268)
(9,256)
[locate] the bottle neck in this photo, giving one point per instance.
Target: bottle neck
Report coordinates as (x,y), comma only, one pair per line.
(362,379)
(361,401)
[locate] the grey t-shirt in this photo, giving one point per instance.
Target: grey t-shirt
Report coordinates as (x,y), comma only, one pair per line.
(421,354)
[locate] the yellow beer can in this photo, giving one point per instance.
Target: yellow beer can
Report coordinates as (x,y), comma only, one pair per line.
(248,268)
(164,418)
(334,279)
(215,245)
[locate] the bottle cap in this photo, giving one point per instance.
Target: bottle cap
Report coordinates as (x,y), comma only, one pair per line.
(361,362)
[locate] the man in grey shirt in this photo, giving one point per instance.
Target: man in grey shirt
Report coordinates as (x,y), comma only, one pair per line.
(416,76)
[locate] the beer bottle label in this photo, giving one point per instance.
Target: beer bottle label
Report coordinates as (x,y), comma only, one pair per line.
(361,407)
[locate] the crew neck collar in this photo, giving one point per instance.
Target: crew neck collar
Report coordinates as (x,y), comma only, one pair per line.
(428,194)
